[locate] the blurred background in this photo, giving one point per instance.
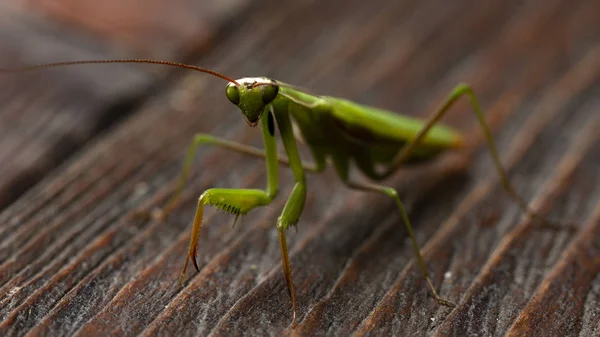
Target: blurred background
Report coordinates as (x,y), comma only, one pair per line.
(82,148)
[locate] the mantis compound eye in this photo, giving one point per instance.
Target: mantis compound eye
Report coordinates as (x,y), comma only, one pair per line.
(233,93)
(269,93)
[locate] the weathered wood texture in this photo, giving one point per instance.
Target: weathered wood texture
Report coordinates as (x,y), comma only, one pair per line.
(73,260)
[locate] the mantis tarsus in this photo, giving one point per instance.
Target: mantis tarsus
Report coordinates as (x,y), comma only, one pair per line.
(335,130)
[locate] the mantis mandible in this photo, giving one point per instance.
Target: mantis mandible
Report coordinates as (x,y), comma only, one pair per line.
(335,130)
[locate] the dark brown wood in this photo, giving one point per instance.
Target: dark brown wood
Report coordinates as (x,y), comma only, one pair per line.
(75,261)
(50,114)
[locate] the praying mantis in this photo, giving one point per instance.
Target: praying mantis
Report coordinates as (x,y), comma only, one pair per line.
(337,132)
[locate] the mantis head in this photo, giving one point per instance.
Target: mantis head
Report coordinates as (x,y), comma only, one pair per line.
(252,95)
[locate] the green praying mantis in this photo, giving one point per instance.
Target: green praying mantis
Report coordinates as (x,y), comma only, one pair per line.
(336,131)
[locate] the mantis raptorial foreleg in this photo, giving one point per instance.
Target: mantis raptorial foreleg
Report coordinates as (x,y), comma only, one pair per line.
(206,139)
(235,201)
(240,201)
(459,91)
(390,192)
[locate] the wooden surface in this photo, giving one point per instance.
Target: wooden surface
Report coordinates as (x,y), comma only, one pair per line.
(82,148)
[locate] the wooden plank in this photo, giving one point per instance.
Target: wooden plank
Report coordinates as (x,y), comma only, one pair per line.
(149,29)
(77,263)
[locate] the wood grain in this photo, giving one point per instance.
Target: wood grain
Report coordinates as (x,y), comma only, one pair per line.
(75,261)
(50,114)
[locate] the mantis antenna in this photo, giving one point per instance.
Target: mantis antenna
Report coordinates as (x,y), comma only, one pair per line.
(166,63)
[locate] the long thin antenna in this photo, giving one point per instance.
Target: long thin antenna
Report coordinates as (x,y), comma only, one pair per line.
(166,63)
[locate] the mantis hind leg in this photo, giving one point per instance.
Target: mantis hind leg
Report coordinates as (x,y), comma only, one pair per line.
(390,192)
(459,91)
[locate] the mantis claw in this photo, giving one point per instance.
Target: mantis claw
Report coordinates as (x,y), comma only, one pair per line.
(195,262)
(191,255)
